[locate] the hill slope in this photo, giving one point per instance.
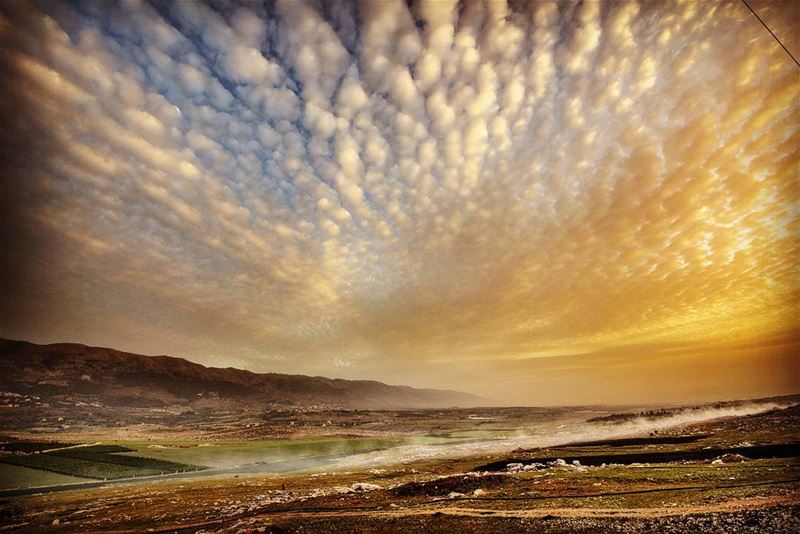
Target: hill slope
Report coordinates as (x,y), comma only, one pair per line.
(116,378)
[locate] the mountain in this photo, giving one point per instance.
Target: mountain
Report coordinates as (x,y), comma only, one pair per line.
(113,378)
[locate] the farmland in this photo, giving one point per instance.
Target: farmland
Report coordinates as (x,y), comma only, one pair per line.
(101,462)
(15,476)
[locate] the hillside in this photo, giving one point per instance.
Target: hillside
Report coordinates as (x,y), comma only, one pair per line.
(114,378)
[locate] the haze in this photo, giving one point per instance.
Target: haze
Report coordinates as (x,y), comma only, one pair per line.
(540,203)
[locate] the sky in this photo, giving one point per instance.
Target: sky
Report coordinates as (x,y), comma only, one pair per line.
(537,202)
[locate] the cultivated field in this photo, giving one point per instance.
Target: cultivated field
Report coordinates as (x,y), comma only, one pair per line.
(100,462)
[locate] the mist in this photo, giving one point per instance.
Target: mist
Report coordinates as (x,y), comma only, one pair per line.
(550,434)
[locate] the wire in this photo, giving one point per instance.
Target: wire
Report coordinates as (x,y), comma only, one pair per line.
(770,32)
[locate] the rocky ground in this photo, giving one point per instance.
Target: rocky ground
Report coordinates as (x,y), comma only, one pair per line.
(725,494)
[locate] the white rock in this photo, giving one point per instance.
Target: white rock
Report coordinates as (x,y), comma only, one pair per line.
(514,467)
(454,495)
(478,492)
(558,463)
(365,486)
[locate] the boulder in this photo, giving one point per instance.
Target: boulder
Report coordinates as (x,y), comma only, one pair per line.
(364,486)
(729,459)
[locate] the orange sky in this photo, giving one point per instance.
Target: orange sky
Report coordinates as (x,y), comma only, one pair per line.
(544,204)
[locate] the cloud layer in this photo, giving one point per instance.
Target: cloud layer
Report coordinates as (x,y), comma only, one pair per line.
(405,193)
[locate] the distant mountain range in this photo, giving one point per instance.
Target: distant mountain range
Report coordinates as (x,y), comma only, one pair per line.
(114,378)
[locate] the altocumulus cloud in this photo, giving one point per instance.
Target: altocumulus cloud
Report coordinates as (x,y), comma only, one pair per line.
(389,189)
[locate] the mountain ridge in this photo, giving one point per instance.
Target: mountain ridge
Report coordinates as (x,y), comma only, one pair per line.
(120,378)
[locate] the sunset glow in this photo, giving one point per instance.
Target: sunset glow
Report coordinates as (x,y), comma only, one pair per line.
(537,203)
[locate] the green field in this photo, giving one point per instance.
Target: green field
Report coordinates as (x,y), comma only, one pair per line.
(223,455)
(96,462)
(128,459)
(15,476)
(230,454)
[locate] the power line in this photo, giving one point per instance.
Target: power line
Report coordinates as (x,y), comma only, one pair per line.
(770,32)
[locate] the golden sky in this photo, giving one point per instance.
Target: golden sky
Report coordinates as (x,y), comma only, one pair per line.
(540,202)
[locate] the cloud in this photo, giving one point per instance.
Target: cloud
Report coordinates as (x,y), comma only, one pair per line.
(399,188)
